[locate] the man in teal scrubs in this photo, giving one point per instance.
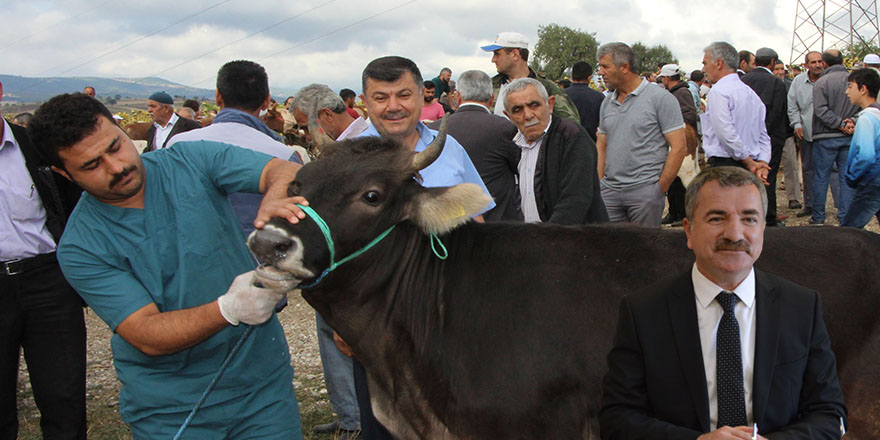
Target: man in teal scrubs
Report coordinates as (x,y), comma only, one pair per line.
(155,249)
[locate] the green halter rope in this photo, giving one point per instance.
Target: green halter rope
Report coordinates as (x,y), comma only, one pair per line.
(334,264)
(326,231)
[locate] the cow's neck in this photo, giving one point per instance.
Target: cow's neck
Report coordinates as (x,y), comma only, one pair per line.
(363,298)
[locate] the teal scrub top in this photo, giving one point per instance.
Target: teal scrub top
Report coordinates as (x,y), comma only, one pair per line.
(182,250)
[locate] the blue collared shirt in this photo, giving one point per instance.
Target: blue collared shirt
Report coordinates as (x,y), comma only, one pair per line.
(454,166)
(733,125)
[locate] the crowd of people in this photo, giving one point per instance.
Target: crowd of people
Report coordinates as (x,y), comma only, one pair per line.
(155,245)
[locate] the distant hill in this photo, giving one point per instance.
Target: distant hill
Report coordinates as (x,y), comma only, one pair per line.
(24,89)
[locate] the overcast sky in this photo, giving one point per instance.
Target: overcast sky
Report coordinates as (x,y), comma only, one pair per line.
(330,41)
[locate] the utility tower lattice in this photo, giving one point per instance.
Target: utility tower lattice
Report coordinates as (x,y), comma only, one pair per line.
(838,24)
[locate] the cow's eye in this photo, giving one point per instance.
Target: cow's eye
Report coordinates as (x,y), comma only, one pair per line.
(371,197)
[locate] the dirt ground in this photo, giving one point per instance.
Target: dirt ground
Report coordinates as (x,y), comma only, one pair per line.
(298,320)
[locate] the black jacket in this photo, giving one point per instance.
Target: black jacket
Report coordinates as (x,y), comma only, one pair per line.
(58,194)
(655,387)
(587,102)
(566,180)
(182,125)
(771,90)
(488,140)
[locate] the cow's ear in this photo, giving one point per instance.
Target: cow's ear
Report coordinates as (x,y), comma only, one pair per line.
(439,210)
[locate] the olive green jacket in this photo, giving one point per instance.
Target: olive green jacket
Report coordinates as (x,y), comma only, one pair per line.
(563,108)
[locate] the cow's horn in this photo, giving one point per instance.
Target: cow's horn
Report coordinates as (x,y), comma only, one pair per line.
(430,154)
(320,138)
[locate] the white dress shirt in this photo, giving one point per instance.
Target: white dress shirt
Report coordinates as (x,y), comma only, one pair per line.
(733,125)
(356,127)
(527,163)
(163,132)
(23,232)
(708,317)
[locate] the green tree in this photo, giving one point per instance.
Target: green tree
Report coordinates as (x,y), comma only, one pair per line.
(856,52)
(647,58)
(559,47)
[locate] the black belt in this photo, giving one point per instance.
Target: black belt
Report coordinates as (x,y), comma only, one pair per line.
(22,265)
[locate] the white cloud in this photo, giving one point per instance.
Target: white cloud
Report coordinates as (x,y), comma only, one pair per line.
(61,35)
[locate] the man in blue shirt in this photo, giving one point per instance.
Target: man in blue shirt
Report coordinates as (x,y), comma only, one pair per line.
(393,93)
(863,163)
(151,247)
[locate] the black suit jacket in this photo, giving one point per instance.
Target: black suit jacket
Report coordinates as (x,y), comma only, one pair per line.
(59,195)
(656,384)
(587,102)
(488,140)
(182,125)
(771,90)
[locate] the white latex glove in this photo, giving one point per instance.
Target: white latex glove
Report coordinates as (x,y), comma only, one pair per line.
(247,303)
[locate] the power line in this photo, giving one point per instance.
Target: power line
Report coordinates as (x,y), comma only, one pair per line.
(324,35)
(5,48)
(141,38)
(244,38)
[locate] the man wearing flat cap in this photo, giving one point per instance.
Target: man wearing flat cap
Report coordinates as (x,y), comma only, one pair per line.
(510,54)
(166,123)
(771,90)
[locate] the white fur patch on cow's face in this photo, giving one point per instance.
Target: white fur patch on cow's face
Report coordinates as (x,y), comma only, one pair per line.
(439,210)
(292,260)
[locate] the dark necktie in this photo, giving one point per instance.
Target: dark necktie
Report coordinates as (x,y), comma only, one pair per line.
(728,367)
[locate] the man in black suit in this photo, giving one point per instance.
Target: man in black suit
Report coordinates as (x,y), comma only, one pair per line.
(585,98)
(488,140)
(39,311)
(166,123)
(684,366)
(771,90)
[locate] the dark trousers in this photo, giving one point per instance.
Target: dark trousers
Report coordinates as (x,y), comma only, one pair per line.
(776,147)
(371,429)
(725,162)
(42,314)
(675,197)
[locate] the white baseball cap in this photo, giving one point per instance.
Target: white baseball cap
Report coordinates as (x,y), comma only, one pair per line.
(871,59)
(670,70)
(508,39)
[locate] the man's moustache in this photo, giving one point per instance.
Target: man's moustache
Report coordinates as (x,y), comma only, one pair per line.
(118,177)
(396,115)
(532,122)
(728,245)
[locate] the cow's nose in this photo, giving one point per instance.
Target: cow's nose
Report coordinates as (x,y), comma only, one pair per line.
(270,245)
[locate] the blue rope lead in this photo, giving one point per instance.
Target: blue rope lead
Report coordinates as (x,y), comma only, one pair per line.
(213,383)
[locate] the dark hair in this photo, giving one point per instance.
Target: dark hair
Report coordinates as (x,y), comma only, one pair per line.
(193,104)
(726,176)
(429,85)
(581,71)
(832,57)
(63,121)
(523,53)
(564,83)
(746,56)
(243,85)
(347,93)
(23,118)
(390,69)
(765,61)
(697,75)
(866,77)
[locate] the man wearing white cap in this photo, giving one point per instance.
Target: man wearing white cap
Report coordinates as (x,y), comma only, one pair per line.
(670,76)
(872,60)
(511,58)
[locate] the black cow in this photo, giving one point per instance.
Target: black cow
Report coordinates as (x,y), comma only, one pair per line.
(507,337)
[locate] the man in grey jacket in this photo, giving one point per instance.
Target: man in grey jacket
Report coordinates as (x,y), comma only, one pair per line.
(833,123)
